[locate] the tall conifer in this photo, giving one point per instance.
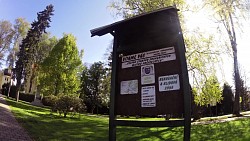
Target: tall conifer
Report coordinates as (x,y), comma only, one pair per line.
(27,53)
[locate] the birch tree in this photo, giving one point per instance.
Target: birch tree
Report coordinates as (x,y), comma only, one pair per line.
(6,36)
(21,28)
(228,14)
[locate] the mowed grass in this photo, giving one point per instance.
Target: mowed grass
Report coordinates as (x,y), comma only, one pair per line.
(44,126)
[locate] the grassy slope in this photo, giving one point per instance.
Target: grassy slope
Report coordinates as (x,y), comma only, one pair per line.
(43,126)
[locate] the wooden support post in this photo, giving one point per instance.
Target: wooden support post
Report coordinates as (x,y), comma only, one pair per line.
(186,85)
(112,116)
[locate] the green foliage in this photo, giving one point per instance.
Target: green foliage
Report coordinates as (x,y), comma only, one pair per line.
(106,83)
(93,90)
(106,89)
(244,96)
(210,93)
(59,71)
(202,55)
(64,104)
(45,46)
(6,35)
(69,103)
(129,8)
(227,14)
(49,100)
(21,28)
(227,102)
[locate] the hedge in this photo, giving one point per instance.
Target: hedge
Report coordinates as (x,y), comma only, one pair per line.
(22,96)
(26,97)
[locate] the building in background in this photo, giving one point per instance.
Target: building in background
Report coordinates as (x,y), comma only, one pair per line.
(5,77)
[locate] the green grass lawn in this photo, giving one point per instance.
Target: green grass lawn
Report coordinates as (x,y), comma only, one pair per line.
(43,126)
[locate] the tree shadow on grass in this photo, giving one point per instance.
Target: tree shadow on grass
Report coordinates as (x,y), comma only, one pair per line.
(45,126)
(227,131)
(25,106)
(42,125)
(63,130)
(149,134)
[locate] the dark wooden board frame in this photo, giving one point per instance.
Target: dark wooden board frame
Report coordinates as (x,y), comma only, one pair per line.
(167,102)
(121,45)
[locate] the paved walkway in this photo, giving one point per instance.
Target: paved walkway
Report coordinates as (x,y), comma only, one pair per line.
(10,130)
(219,119)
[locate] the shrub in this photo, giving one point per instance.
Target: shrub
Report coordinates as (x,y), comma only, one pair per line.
(49,100)
(5,88)
(69,103)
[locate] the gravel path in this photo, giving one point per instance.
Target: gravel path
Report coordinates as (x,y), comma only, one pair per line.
(10,130)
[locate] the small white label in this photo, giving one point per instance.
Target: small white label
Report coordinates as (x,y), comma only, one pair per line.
(148,96)
(169,83)
(147,74)
(129,87)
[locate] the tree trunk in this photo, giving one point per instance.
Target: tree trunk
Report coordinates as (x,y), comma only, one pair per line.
(18,89)
(8,94)
(210,111)
(57,85)
(92,109)
(236,108)
(232,37)
(31,80)
(216,110)
(30,85)
(33,75)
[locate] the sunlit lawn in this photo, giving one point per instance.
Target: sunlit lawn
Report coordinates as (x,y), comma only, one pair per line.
(41,125)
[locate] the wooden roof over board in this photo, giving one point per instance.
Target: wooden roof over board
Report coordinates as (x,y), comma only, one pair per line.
(121,25)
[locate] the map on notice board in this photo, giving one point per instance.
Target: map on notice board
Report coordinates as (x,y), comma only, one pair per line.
(129,87)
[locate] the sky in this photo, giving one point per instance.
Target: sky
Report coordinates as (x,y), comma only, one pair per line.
(80,16)
(205,22)
(77,17)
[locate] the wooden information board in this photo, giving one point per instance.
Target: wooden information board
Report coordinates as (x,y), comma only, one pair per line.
(149,71)
(149,83)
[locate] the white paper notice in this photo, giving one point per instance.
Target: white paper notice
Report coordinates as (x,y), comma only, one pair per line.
(129,87)
(148,96)
(149,57)
(147,74)
(169,83)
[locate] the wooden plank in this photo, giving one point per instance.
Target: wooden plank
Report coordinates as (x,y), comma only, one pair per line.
(186,85)
(112,127)
(133,123)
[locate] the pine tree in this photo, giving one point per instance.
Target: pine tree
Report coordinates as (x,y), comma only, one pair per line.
(27,50)
(227,13)
(227,102)
(92,86)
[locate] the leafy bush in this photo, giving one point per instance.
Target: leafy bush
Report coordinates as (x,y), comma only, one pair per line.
(69,104)
(49,100)
(5,89)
